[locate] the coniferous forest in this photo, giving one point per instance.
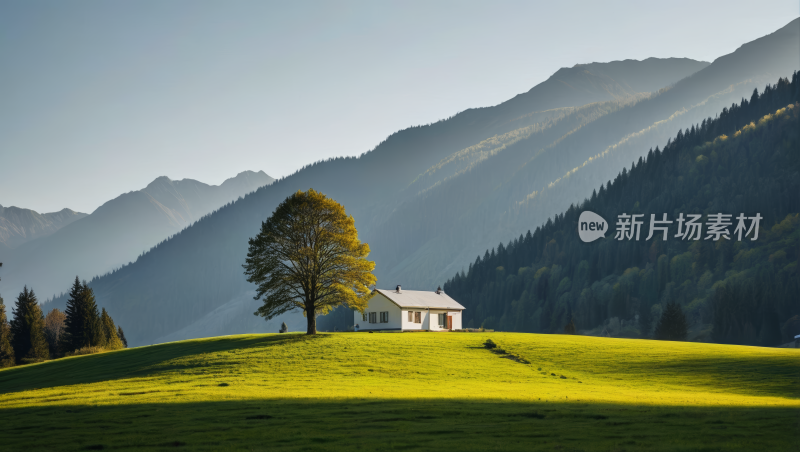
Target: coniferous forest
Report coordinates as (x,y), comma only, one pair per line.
(744,161)
(33,336)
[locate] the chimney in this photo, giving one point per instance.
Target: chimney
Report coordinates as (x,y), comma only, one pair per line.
(398,289)
(439,290)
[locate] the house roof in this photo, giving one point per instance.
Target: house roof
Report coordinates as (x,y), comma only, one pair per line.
(421,299)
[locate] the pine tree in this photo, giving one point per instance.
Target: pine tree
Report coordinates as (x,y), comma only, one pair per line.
(6,351)
(121,336)
(27,328)
(672,326)
(645,320)
(570,327)
(110,339)
(83,327)
(94,331)
(73,325)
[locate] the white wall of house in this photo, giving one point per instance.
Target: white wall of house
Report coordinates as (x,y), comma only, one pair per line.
(434,319)
(377,305)
(412,325)
(398,319)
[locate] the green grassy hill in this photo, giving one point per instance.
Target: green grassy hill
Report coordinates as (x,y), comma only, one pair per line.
(420,391)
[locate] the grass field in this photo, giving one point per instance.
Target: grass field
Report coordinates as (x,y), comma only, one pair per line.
(411,391)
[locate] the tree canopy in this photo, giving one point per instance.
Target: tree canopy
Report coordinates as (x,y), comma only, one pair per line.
(308,256)
(83,327)
(6,351)
(27,328)
(672,326)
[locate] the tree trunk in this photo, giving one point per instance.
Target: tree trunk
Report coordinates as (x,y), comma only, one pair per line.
(312,321)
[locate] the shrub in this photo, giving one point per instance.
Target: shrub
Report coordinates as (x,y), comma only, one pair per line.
(86,351)
(489,344)
(31,360)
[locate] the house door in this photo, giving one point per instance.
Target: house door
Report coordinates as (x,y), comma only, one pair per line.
(449,322)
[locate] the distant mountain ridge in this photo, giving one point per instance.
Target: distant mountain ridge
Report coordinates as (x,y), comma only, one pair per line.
(599,82)
(18,225)
(117,232)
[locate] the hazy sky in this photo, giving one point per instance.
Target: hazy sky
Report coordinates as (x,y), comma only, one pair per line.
(98,98)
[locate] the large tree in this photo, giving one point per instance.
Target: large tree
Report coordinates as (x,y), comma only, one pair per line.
(27,328)
(308,256)
(82,327)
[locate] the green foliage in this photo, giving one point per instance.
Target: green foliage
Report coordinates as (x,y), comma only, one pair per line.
(570,327)
(27,329)
(308,257)
(91,350)
(53,328)
(83,327)
(111,340)
(121,335)
(6,351)
(672,325)
(751,167)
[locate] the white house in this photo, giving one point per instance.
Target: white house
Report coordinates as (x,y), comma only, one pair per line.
(408,310)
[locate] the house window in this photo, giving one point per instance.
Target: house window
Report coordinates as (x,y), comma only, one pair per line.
(410,316)
(443,320)
(364,317)
(417,317)
(373,317)
(385,317)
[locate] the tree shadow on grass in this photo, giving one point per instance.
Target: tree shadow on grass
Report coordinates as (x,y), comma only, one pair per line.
(133,362)
(384,424)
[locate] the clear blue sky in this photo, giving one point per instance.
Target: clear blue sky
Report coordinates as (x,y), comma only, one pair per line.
(98,98)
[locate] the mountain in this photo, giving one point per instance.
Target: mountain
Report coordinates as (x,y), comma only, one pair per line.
(18,225)
(430,198)
(118,231)
(202,263)
(518,185)
(745,290)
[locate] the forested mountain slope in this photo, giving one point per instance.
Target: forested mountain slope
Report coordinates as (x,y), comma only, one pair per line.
(117,232)
(425,210)
(439,231)
(735,291)
(18,225)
